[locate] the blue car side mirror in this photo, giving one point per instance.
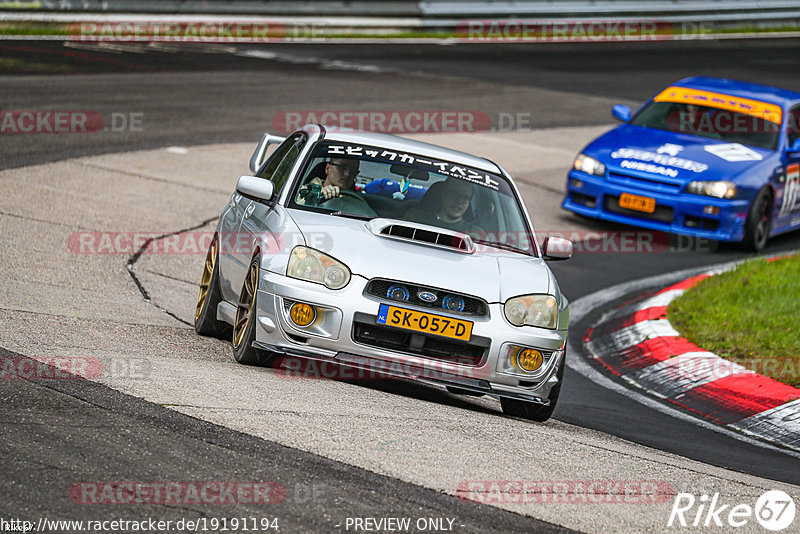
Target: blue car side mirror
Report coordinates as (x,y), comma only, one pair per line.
(794,147)
(621,112)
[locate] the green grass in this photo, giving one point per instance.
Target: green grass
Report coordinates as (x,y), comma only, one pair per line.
(59,29)
(63,29)
(7,63)
(750,315)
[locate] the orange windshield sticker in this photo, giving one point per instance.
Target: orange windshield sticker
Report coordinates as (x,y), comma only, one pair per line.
(755,108)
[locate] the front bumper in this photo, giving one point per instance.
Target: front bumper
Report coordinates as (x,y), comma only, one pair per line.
(344,313)
(681,214)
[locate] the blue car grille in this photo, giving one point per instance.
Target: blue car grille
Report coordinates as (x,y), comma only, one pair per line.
(643,183)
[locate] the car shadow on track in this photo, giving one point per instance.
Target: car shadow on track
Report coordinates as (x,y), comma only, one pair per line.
(425,392)
(407,388)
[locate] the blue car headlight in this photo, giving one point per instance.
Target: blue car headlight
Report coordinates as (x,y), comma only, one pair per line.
(589,165)
(721,189)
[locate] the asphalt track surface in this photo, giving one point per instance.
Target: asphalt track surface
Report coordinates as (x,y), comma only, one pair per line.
(194,97)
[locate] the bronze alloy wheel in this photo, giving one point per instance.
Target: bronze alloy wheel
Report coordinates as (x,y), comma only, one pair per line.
(246,301)
(205,281)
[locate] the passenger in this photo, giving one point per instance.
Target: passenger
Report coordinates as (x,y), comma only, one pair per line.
(455,202)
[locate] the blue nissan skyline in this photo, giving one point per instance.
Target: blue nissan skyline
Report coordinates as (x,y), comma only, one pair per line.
(705,157)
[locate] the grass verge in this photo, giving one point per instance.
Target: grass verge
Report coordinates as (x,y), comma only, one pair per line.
(750,315)
(111,31)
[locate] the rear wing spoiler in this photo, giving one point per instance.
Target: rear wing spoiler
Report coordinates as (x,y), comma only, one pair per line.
(260,153)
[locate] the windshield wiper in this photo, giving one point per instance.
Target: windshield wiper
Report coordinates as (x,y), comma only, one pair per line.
(504,246)
(351,215)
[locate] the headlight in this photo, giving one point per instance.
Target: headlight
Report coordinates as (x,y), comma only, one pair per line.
(723,189)
(314,266)
(589,165)
(532,310)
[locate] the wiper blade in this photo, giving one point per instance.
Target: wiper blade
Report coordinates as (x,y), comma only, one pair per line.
(504,246)
(351,215)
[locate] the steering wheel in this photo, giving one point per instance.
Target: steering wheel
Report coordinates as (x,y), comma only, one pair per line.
(350,202)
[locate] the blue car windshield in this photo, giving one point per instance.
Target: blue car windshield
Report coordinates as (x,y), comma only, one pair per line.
(376,182)
(709,122)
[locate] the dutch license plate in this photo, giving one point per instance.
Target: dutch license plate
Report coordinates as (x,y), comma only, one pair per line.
(635,202)
(424,322)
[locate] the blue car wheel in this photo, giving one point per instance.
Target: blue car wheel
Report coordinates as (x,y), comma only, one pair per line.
(758,221)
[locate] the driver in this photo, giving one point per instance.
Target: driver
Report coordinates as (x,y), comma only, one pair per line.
(340,175)
(691,119)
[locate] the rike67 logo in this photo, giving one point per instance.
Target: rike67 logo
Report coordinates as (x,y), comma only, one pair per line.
(774,510)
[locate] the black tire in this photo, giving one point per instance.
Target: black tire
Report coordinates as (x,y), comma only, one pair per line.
(244,327)
(531,410)
(209,297)
(757,226)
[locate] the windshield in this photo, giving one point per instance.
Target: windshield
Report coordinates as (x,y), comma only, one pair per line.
(367,182)
(713,116)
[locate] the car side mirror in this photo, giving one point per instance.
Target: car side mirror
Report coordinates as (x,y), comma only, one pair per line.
(621,112)
(255,188)
(260,153)
(794,148)
(556,248)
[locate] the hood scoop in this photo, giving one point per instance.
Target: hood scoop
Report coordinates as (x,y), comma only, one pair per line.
(422,234)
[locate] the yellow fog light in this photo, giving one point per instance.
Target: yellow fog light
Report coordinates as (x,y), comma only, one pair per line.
(529,359)
(302,314)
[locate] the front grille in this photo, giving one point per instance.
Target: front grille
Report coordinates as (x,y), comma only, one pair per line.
(473,306)
(584,200)
(701,222)
(662,213)
(366,332)
(644,183)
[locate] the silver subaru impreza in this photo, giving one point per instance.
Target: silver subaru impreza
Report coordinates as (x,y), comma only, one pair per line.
(391,257)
